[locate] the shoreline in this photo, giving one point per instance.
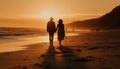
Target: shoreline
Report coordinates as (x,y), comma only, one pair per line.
(20,43)
(85,52)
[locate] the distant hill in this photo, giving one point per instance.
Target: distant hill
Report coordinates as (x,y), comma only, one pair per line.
(110,20)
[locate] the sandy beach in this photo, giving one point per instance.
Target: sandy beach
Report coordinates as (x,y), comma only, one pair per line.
(84,34)
(84,51)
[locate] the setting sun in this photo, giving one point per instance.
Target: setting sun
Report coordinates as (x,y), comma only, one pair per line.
(46,13)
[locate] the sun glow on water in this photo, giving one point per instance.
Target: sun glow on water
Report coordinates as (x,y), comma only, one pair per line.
(23,43)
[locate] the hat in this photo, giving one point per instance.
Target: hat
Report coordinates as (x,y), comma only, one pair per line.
(60,20)
(51,18)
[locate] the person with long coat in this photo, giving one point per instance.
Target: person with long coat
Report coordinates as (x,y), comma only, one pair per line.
(61,31)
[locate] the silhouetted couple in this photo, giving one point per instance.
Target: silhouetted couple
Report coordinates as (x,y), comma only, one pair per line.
(51,29)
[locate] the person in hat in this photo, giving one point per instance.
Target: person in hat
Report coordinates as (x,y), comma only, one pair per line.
(51,29)
(61,31)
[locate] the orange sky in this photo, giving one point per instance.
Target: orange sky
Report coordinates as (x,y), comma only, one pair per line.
(43,9)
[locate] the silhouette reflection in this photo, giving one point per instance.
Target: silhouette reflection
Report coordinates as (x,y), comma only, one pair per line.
(49,61)
(69,58)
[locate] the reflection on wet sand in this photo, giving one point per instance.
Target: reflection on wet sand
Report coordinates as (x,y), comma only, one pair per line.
(22,43)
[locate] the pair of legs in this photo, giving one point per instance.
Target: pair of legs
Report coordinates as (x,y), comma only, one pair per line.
(60,38)
(51,37)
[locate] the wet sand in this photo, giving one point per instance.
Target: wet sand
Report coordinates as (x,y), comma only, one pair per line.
(78,52)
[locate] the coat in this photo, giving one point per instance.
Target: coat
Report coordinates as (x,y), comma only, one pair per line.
(51,28)
(61,31)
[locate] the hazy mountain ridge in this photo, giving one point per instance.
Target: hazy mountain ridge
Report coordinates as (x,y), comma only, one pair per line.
(110,20)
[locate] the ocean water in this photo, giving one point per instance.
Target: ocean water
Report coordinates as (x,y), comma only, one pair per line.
(17,39)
